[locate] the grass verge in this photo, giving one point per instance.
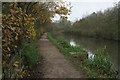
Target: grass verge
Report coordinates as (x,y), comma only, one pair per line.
(30,53)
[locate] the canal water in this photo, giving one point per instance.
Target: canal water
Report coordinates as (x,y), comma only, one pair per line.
(92,44)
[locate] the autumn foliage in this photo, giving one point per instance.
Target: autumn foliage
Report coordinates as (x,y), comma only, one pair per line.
(14,30)
(25,21)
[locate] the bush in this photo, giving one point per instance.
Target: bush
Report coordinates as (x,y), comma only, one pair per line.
(102,64)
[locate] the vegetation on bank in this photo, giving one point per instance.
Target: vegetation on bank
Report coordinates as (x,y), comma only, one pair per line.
(98,25)
(98,67)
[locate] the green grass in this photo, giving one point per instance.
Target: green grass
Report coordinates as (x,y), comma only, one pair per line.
(99,67)
(30,53)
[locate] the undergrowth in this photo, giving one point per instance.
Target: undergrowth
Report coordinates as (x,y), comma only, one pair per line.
(30,53)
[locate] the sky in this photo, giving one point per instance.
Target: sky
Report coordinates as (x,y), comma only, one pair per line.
(82,8)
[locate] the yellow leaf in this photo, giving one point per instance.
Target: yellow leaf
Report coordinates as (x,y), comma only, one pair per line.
(11,17)
(16,64)
(30,15)
(15,46)
(13,28)
(4,62)
(5,44)
(16,38)
(32,23)
(33,18)
(3,40)
(9,55)
(8,49)
(17,19)
(15,23)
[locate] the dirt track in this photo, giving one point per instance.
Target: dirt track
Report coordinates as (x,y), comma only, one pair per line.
(54,63)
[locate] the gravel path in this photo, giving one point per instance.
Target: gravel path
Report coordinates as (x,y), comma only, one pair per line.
(54,63)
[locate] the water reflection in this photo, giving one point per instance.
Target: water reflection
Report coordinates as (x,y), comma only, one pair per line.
(90,55)
(72,43)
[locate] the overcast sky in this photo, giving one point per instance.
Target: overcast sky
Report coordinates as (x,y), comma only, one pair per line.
(82,8)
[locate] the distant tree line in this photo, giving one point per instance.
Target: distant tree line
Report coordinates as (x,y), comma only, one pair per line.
(99,25)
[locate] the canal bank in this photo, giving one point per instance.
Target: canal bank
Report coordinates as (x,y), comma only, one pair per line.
(92,45)
(99,67)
